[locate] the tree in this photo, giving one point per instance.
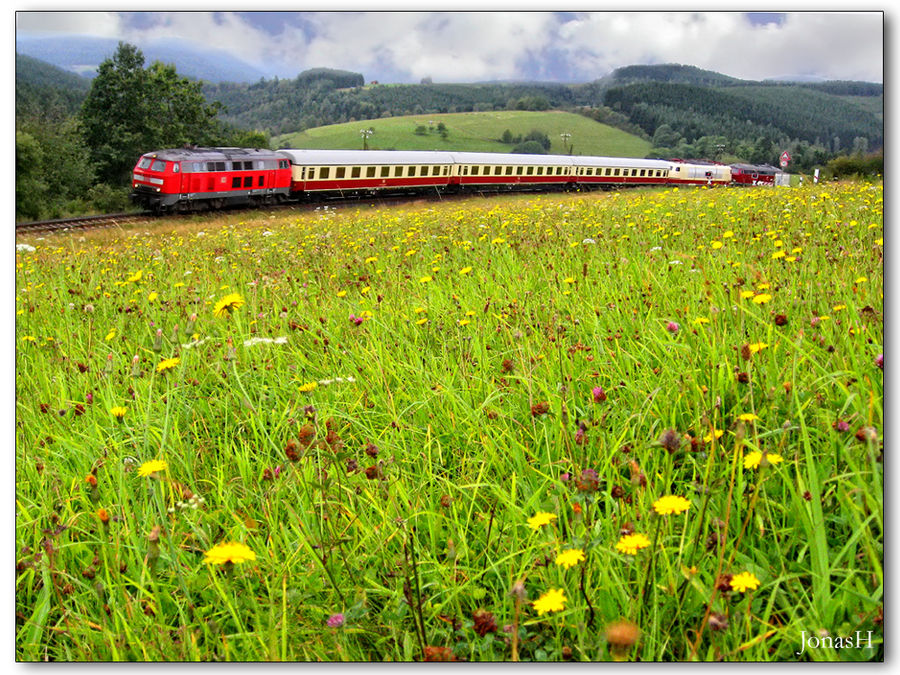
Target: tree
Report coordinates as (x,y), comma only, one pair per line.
(30,186)
(130,110)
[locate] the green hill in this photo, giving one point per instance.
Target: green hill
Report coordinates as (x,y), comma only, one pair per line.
(473,132)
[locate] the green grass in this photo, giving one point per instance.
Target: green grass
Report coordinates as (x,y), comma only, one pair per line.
(430,381)
(473,132)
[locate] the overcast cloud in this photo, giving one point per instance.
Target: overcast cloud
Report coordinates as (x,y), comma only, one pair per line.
(475,46)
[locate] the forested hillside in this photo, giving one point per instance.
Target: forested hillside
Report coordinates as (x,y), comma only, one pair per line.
(775,111)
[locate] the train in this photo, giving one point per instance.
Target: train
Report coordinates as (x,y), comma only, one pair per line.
(194,178)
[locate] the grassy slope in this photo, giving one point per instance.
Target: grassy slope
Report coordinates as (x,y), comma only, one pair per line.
(474,132)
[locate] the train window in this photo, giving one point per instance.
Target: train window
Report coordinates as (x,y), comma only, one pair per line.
(261,181)
(398,171)
(519,170)
(540,171)
(436,171)
(370,172)
(410,171)
(248,181)
(283,164)
(195,167)
(643,171)
(158,165)
(311,174)
(236,182)
(529,171)
(354,172)
(423,170)
(340,172)
(324,172)
(176,167)
(475,170)
(145,162)
(616,172)
(385,171)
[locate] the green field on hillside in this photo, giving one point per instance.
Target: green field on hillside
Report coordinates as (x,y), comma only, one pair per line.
(473,132)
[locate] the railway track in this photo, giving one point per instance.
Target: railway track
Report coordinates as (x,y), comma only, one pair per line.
(82,223)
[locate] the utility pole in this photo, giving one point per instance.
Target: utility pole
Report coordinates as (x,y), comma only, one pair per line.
(565,136)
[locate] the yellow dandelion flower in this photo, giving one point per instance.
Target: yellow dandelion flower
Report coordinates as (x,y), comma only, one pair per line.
(341,294)
(748,417)
(630,544)
(860,280)
(228,304)
(463,322)
(570,557)
(308,387)
(152,467)
(465,270)
(28,338)
(110,335)
(716,434)
(553,600)
(540,519)
(747,294)
(753,459)
(671,504)
(421,321)
(741,582)
(761,299)
(778,254)
(229,552)
(716,245)
(136,277)
(167,364)
(118,412)
(425,279)
(700,320)
(757,347)
(153,296)
(569,280)
(838,308)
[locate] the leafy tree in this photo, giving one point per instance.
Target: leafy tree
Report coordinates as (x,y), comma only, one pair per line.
(131,110)
(529,148)
(31,189)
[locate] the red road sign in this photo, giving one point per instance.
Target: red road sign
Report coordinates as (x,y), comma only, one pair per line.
(785,158)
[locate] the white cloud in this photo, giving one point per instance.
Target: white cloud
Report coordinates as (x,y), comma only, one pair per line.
(100,24)
(471,46)
(837,46)
(445,46)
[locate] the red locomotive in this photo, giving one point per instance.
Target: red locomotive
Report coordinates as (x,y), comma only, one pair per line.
(194,178)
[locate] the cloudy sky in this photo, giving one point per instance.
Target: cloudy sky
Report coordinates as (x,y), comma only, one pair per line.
(406,46)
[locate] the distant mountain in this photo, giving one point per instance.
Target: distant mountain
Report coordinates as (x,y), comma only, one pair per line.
(83,55)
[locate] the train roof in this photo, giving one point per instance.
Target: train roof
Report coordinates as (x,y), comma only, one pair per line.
(349,157)
(197,154)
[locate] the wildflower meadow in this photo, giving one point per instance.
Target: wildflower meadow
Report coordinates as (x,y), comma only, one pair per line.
(633,426)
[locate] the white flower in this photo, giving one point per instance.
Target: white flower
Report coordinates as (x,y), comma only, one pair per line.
(589,241)
(25,247)
(675,262)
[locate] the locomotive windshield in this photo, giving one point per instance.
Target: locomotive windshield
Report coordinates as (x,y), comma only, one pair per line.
(152,164)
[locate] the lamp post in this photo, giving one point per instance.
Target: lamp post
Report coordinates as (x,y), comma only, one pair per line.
(565,136)
(365,133)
